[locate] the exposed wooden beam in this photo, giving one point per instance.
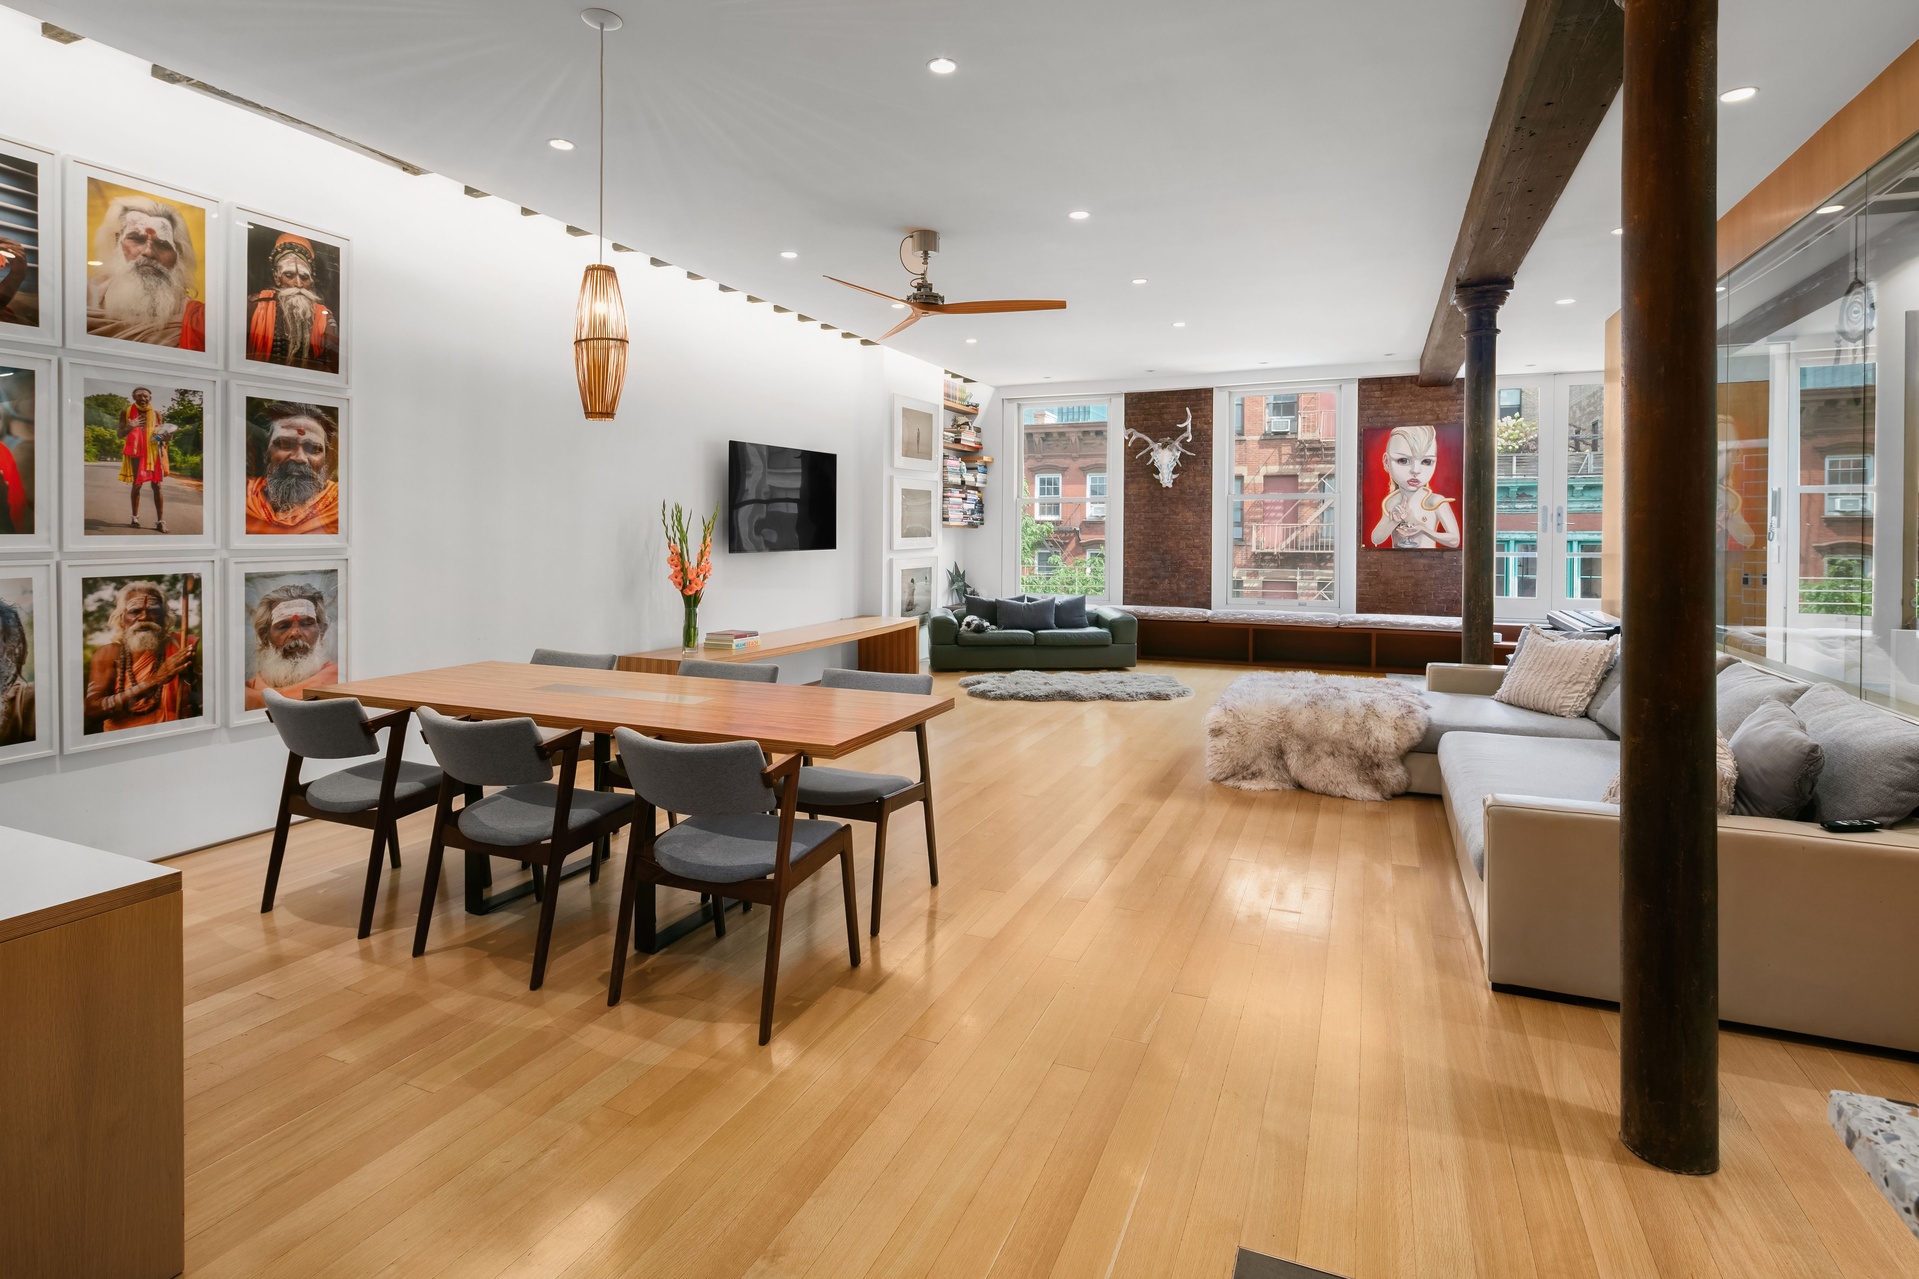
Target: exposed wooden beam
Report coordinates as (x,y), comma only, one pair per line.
(1561,78)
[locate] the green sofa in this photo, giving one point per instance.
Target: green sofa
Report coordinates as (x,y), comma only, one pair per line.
(1108,641)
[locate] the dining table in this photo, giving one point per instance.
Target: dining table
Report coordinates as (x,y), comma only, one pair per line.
(805,719)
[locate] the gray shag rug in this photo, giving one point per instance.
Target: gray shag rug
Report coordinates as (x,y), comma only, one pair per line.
(1074,686)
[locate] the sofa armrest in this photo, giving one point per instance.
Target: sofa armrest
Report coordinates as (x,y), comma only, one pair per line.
(1462,677)
(1123,626)
(943,626)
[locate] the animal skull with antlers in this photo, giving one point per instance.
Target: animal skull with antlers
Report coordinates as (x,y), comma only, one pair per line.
(1163,455)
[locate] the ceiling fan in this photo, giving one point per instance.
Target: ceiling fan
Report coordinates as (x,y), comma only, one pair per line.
(922,301)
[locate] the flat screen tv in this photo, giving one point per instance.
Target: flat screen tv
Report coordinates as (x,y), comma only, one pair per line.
(780,498)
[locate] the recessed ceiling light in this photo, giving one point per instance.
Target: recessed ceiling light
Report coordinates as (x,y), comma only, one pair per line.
(942,66)
(1564,301)
(1532,366)
(1619,230)
(1079,215)
(971,341)
(1179,324)
(1831,208)
(1265,361)
(1140,280)
(788,253)
(559,144)
(1741,94)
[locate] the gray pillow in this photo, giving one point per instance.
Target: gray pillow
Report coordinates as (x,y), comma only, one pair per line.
(1608,706)
(1779,763)
(1026,615)
(988,609)
(1872,757)
(1743,686)
(1069,612)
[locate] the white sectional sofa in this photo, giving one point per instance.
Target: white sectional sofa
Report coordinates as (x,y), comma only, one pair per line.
(1818,932)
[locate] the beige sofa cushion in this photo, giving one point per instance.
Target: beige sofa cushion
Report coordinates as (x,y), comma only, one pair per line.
(1555,675)
(1476,765)
(1472,713)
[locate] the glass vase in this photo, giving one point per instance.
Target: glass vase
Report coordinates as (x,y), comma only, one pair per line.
(690,625)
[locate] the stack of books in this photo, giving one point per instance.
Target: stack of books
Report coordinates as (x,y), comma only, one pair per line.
(731,641)
(962,436)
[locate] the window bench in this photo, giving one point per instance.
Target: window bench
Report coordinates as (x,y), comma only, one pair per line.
(1400,642)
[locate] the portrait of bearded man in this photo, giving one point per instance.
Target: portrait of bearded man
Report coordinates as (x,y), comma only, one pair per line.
(141,276)
(17,722)
(292,649)
(291,489)
(288,321)
(144,673)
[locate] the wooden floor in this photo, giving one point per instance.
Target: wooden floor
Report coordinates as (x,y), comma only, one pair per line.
(1144,1020)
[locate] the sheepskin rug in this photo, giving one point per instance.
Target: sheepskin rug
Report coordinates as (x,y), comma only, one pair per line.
(1341,735)
(1074,686)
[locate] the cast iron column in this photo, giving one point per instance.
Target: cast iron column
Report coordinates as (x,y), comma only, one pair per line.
(1668,838)
(1480,301)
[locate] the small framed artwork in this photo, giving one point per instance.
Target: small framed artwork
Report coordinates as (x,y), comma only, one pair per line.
(26,460)
(290,467)
(27,698)
(140,459)
(144,268)
(909,585)
(29,245)
(288,630)
(913,517)
(289,285)
(136,659)
(916,434)
(1409,488)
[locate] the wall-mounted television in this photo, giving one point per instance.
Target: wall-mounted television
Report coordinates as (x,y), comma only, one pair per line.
(780,498)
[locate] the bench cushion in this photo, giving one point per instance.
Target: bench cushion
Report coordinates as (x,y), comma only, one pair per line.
(1073,637)
(994,639)
(1399,622)
(1167,612)
(1475,765)
(1471,713)
(1273,617)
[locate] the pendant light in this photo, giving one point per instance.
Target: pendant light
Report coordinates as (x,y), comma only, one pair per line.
(599,323)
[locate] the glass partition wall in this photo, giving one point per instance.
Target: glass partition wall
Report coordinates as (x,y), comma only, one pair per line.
(1549,488)
(1818,410)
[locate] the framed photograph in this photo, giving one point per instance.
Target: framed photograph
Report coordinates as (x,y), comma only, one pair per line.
(289,284)
(1409,488)
(288,630)
(144,268)
(29,245)
(913,514)
(916,434)
(289,468)
(26,460)
(140,459)
(26,662)
(910,587)
(136,660)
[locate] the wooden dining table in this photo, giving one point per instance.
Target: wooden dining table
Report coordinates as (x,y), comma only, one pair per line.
(806,719)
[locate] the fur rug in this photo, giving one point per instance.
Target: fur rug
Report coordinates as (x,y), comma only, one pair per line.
(1338,735)
(1074,686)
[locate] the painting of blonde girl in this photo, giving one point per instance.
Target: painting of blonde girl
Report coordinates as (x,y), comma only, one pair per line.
(1412,516)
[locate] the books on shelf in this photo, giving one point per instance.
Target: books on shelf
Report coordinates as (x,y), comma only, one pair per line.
(734,640)
(962,436)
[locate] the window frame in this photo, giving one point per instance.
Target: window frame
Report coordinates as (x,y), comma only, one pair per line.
(1013,411)
(1228,406)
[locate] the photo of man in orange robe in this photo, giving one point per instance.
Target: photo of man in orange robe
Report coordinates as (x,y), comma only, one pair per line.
(144,674)
(143,452)
(290,490)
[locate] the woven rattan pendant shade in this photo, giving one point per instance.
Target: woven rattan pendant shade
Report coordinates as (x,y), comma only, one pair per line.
(599,343)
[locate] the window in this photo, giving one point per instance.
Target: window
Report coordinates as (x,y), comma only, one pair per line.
(1096,495)
(1063,506)
(1045,486)
(1285,498)
(1849,471)
(1045,560)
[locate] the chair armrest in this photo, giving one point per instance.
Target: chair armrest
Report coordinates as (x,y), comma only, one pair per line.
(1123,626)
(782,766)
(944,626)
(387,720)
(1462,677)
(570,739)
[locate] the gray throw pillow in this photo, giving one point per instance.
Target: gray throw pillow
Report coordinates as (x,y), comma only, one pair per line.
(1779,763)
(1872,757)
(1026,615)
(1069,612)
(1608,706)
(988,609)
(1743,686)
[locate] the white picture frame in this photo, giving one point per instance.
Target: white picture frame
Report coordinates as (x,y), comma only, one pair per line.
(44,194)
(96,533)
(201,214)
(913,513)
(82,583)
(243,224)
(916,434)
(246,580)
(244,402)
(41,630)
(912,585)
(41,473)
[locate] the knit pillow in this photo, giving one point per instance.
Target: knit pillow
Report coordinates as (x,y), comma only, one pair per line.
(1725,763)
(1026,615)
(1554,675)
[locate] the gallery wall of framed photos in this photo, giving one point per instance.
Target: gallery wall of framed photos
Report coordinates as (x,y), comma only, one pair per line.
(175,491)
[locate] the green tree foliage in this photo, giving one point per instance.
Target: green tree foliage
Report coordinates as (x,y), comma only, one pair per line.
(1079,577)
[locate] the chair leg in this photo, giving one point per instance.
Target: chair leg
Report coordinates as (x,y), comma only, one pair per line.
(879,866)
(547,905)
(719,915)
(932,844)
(428,887)
(280,825)
(852,905)
(629,887)
(393,844)
(772,968)
(539,883)
(372,893)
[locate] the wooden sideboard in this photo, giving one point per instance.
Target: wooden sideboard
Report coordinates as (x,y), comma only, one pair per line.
(885,644)
(92,1133)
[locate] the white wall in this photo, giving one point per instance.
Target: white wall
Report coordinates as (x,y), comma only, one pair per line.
(489,517)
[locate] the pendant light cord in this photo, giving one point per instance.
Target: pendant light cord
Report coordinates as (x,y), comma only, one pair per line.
(600,239)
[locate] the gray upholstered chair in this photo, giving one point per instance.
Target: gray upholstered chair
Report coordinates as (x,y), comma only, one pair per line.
(584,661)
(374,795)
(872,797)
(534,821)
(730,841)
(744,672)
(605,769)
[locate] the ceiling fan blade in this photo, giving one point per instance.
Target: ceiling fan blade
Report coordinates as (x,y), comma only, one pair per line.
(1005,304)
(908,322)
(863,289)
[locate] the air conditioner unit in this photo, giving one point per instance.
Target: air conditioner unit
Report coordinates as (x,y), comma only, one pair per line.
(1282,426)
(1848,503)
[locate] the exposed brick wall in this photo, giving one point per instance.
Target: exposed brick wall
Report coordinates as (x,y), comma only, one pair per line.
(1401,581)
(1169,531)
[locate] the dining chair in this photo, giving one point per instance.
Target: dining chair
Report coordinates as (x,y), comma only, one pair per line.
(873,797)
(375,794)
(744,672)
(534,820)
(604,766)
(583,661)
(729,842)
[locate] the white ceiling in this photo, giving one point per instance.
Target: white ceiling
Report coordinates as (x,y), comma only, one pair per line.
(1289,177)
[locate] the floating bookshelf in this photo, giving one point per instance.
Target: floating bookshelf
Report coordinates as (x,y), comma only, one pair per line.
(963,461)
